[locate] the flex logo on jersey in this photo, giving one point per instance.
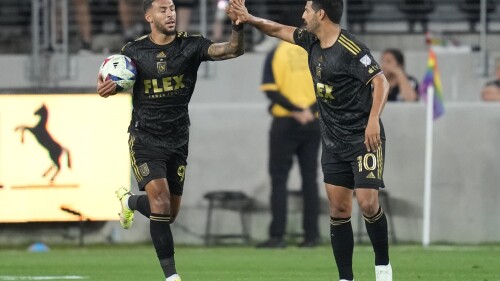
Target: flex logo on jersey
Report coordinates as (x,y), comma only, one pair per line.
(324,91)
(167,84)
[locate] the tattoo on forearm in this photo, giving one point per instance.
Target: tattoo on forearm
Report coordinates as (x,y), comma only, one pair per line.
(234,48)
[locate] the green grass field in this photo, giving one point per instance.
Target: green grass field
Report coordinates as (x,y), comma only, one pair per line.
(138,262)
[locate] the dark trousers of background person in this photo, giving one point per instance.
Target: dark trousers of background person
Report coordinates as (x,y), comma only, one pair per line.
(289,138)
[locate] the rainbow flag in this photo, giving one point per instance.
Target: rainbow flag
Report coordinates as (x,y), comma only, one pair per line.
(433,78)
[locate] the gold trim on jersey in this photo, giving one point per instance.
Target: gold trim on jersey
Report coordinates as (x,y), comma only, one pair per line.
(137,174)
(269,87)
(380,159)
(124,46)
(349,45)
(373,77)
(182,34)
(142,37)
(128,43)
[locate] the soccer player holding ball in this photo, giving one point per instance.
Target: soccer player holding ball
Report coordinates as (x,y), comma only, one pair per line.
(351,91)
(167,63)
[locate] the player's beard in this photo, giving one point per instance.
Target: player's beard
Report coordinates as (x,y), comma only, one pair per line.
(161,28)
(311,26)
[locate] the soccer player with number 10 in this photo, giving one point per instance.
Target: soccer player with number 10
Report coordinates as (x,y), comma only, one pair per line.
(351,91)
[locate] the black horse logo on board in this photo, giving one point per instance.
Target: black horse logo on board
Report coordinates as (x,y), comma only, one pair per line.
(45,139)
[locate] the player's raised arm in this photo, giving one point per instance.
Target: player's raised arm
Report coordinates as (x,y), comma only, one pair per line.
(235,47)
(271,28)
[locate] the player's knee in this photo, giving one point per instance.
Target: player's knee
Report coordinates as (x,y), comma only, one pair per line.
(369,208)
(160,205)
(340,209)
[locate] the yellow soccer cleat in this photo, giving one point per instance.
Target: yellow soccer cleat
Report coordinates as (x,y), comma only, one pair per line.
(126,215)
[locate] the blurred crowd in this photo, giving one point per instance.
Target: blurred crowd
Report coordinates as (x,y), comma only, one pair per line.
(98,25)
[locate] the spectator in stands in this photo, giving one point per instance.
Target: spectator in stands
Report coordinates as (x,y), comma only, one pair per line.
(82,15)
(491,91)
(416,11)
(220,18)
(184,9)
(132,22)
(278,10)
(403,87)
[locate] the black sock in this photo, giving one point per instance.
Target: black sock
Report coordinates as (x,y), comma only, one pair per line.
(159,226)
(343,246)
(376,227)
(140,203)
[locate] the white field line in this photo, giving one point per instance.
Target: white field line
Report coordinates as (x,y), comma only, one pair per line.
(69,277)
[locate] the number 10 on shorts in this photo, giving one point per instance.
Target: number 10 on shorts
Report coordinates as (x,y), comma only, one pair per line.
(369,162)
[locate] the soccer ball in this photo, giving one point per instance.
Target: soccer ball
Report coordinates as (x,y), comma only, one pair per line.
(121,69)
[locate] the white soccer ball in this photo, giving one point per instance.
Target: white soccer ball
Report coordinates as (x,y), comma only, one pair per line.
(121,69)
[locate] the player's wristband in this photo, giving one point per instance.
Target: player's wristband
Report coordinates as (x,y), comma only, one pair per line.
(237,27)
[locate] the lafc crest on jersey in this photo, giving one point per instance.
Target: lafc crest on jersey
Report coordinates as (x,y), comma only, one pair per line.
(318,67)
(144,170)
(161,64)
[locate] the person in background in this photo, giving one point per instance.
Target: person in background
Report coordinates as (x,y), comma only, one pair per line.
(131,20)
(83,19)
(184,9)
(402,87)
(276,10)
(220,17)
(294,131)
(491,91)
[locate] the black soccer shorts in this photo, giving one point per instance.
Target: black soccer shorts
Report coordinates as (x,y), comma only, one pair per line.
(356,169)
(155,162)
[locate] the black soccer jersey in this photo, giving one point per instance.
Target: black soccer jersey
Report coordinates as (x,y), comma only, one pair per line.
(341,74)
(164,85)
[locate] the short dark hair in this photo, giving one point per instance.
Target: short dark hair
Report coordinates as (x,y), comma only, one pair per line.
(397,54)
(148,4)
(333,8)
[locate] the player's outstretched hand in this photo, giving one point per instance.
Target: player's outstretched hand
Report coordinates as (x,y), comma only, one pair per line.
(231,14)
(372,135)
(238,8)
(105,88)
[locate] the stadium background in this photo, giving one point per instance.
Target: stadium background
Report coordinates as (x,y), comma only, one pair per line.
(228,147)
